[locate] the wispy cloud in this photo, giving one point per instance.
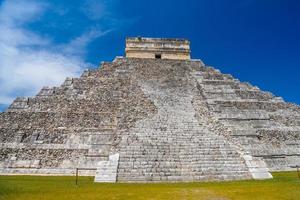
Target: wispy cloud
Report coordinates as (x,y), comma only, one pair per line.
(16,12)
(77,46)
(94,9)
(29,60)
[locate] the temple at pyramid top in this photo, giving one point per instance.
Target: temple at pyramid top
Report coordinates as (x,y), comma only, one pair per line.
(159,48)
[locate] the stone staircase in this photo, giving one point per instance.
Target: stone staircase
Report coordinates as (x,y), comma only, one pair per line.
(173,146)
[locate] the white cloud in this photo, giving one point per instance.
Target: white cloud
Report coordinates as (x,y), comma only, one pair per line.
(76,47)
(95,9)
(16,12)
(28,60)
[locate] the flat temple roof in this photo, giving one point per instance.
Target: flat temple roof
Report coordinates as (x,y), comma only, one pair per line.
(157,39)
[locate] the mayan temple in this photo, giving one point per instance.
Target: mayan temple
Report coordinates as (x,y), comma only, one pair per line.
(153,115)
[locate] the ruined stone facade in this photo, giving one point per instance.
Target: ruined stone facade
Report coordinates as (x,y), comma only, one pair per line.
(150,120)
(159,48)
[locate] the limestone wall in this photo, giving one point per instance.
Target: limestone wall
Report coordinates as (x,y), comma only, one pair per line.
(150,47)
(262,123)
(70,126)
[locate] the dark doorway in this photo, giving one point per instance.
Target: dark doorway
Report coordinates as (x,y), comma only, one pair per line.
(158,56)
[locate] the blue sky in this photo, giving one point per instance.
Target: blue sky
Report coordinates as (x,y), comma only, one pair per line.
(42,42)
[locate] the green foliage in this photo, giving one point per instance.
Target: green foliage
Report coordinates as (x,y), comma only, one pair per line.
(285,185)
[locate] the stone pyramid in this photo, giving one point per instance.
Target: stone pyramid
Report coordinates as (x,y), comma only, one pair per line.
(154,115)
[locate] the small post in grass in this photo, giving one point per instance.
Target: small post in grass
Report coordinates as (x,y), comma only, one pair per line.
(77,170)
(76,176)
(297,168)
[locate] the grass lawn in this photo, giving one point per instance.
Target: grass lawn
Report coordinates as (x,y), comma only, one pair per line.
(285,185)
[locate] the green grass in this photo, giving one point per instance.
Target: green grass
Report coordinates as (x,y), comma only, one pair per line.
(285,185)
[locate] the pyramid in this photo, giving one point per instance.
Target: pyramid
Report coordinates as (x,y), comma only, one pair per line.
(154,115)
